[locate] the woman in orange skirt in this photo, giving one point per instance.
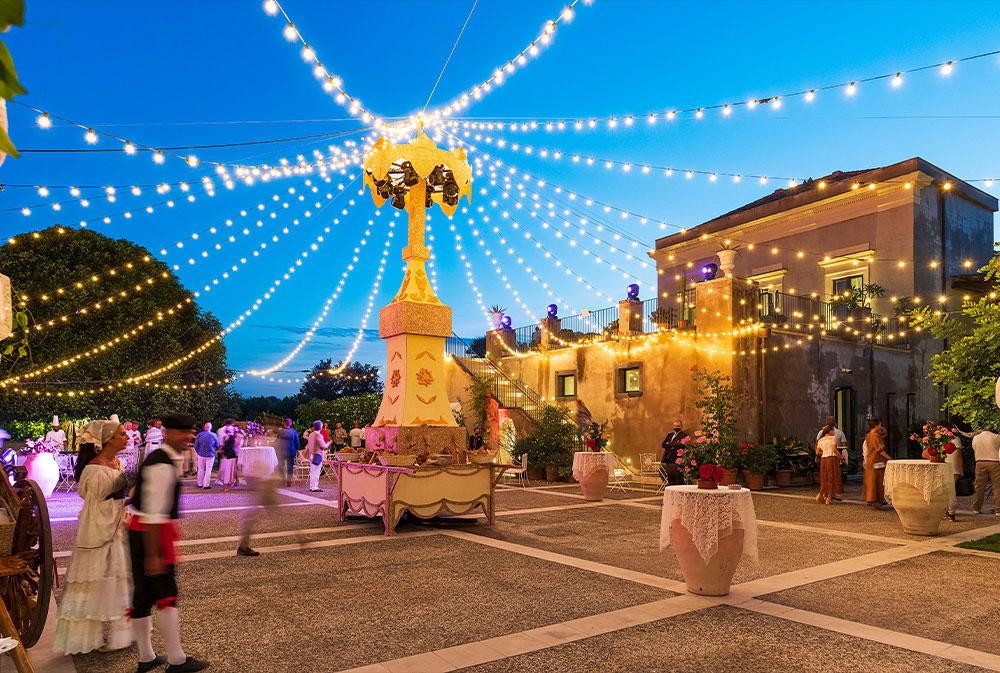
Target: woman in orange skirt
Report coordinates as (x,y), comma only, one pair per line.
(830,479)
(875,458)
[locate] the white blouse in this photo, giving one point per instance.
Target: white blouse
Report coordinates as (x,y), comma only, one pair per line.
(828,445)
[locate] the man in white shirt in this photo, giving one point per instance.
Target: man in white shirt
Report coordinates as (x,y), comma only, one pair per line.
(357,436)
(134,436)
(153,530)
(55,435)
(986,446)
(154,435)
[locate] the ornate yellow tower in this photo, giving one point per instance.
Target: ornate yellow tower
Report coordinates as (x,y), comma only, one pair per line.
(415,415)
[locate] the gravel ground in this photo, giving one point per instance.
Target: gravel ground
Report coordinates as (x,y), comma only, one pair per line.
(601,533)
(616,494)
(856,518)
(723,640)
(954,598)
(519,499)
(329,609)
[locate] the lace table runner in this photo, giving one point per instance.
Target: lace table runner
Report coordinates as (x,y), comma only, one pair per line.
(587,462)
(923,475)
(709,514)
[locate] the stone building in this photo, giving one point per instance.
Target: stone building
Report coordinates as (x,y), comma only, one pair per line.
(771,318)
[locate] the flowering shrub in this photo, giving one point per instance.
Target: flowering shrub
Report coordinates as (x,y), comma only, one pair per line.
(39,446)
(595,438)
(699,458)
(255,429)
(757,459)
(936,441)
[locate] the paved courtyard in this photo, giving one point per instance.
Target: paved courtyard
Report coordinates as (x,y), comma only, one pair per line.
(561,584)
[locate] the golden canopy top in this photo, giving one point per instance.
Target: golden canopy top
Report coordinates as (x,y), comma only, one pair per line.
(424,156)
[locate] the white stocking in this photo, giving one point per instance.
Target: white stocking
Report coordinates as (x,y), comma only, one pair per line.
(143,630)
(170,629)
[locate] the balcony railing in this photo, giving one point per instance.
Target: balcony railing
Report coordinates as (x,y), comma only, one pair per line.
(809,315)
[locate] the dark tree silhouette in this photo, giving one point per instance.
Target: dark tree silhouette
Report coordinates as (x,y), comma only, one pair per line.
(357,378)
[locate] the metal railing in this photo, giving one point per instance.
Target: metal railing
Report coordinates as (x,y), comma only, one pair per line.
(810,315)
(508,391)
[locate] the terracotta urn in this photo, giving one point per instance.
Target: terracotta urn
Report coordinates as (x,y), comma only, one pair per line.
(711,578)
(707,484)
(755,482)
(594,485)
(43,470)
(783,477)
(935,458)
(918,517)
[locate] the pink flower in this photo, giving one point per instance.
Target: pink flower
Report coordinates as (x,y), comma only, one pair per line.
(705,471)
(679,460)
(693,462)
(685,440)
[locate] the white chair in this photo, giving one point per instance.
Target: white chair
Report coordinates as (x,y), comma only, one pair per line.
(67,471)
(520,472)
(300,467)
(651,468)
(619,479)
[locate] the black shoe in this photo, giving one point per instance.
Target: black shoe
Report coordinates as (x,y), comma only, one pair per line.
(145,666)
(245,551)
(315,490)
(189,666)
(837,499)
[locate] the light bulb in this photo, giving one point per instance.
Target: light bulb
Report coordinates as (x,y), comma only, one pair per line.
(946,68)
(290,33)
(129,148)
(158,157)
(90,136)
(271,7)
(897,80)
(307,53)
(851,89)
(192,161)
(44,121)
(811,94)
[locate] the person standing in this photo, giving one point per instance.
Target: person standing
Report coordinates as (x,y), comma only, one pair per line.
(672,445)
(986,446)
(476,440)
(206,445)
(55,435)
(339,438)
(875,460)
(230,441)
(98,583)
(830,458)
(841,440)
(152,534)
(315,456)
(287,447)
(154,435)
(134,436)
(955,460)
(357,437)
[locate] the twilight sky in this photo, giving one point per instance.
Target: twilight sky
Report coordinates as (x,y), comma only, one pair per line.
(183,73)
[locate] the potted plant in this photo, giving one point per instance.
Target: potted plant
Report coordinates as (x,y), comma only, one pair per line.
(937,443)
(496,312)
(756,462)
(727,256)
(790,454)
(663,317)
(699,461)
(40,461)
(857,301)
(728,459)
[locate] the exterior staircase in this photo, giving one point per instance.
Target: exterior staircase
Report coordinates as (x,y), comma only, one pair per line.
(509,392)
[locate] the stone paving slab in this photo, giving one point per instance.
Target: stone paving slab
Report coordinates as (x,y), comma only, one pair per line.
(324,610)
(849,517)
(522,499)
(629,537)
(954,598)
(722,640)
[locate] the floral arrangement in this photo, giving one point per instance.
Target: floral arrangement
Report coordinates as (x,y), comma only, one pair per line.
(595,437)
(39,446)
(936,441)
(699,459)
(256,430)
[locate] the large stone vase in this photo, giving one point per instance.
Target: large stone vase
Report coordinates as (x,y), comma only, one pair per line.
(594,485)
(714,577)
(43,470)
(918,517)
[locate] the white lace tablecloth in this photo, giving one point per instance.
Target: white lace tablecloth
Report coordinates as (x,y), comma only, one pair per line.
(257,461)
(709,514)
(587,462)
(923,475)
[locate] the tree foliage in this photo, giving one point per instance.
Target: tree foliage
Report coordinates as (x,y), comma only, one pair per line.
(356,379)
(971,364)
(351,409)
(11,14)
(70,259)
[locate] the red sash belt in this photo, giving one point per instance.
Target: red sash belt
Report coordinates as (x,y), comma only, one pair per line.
(169,534)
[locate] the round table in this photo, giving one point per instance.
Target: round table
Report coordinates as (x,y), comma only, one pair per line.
(709,529)
(921,492)
(591,469)
(257,461)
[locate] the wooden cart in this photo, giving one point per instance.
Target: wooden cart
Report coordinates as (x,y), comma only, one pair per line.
(26,574)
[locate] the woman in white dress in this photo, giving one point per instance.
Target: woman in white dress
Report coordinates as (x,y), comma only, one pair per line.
(315,447)
(98,583)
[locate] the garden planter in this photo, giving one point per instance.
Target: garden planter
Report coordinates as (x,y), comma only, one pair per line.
(918,517)
(43,470)
(731,475)
(594,485)
(783,477)
(755,482)
(707,484)
(536,473)
(936,459)
(714,577)
(551,473)
(727,261)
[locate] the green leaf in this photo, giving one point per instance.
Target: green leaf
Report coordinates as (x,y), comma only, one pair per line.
(11,13)
(9,86)
(9,350)
(22,319)
(6,146)
(22,351)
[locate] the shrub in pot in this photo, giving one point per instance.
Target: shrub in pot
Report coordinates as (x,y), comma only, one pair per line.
(790,455)
(756,462)
(528,446)
(552,444)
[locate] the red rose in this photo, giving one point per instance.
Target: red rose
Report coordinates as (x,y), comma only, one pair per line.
(705,471)
(590,443)
(719,474)
(950,447)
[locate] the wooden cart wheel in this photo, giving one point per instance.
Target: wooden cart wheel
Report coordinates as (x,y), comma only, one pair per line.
(26,594)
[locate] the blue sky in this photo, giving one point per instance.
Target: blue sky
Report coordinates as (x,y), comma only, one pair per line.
(167,74)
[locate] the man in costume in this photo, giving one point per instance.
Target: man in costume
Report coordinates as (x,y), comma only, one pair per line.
(152,536)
